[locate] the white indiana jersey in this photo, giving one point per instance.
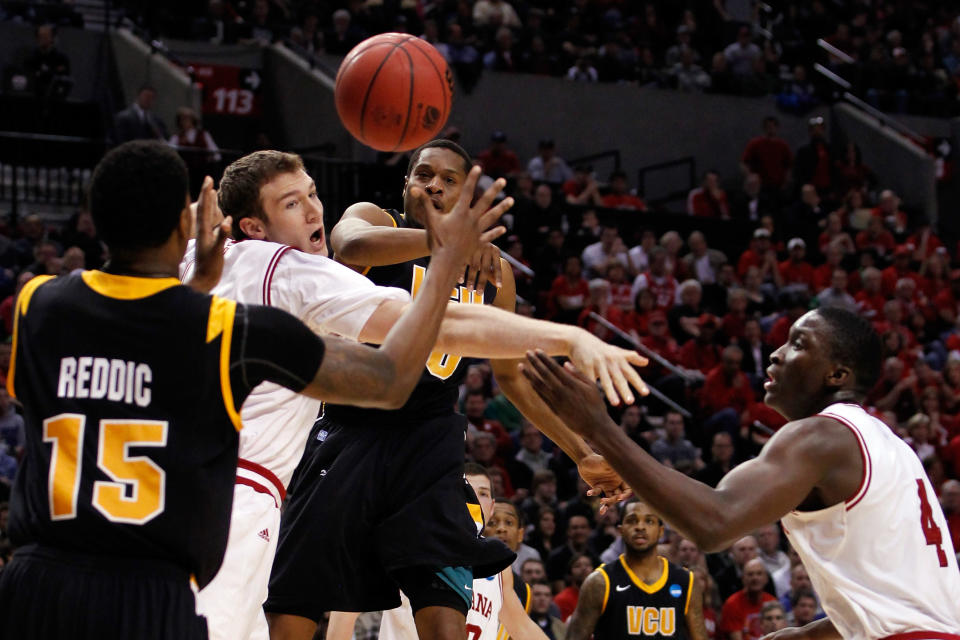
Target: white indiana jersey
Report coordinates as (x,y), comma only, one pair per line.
(483,618)
(326,296)
(882,562)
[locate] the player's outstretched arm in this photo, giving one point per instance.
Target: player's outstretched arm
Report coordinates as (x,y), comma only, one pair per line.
(808,454)
(590,605)
(351,373)
(821,629)
(512,616)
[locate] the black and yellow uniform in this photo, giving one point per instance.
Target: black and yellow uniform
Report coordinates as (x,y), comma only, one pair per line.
(131,389)
(633,608)
(378,497)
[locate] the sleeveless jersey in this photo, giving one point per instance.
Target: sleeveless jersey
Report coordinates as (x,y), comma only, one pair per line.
(633,608)
(483,618)
(131,418)
(882,561)
(437,390)
(326,296)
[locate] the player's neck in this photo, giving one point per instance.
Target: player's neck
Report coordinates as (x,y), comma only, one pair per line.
(644,563)
(148,263)
(821,403)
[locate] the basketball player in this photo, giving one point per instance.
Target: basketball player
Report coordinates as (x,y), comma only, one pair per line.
(281,262)
(131,386)
(641,593)
(853,498)
(415,459)
(497,611)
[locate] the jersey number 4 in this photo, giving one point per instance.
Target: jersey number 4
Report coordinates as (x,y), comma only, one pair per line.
(138,476)
(931,531)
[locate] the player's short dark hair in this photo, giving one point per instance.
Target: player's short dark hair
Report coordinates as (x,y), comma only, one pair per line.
(521,521)
(854,343)
(441,143)
(239,193)
(137,193)
(622,509)
(474,469)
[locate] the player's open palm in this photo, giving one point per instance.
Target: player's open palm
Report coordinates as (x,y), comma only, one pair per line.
(612,366)
(466,227)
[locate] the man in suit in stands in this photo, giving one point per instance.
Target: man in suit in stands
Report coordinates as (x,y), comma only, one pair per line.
(138,121)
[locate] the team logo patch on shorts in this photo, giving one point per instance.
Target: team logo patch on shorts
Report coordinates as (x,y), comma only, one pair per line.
(676,590)
(322,435)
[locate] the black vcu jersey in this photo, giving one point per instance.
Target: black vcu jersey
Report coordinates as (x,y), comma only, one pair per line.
(131,389)
(438,388)
(633,608)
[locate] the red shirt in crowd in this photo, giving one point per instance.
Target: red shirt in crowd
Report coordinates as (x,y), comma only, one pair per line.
(624,201)
(702,357)
(636,321)
(566,601)
(823,275)
(770,158)
(702,203)
(796,273)
(883,242)
(733,325)
(500,164)
(748,258)
(665,347)
(563,288)
(868,302)
(740,614)
(890,275)
(718,394)
(779,332)
(620,295)
(612,315)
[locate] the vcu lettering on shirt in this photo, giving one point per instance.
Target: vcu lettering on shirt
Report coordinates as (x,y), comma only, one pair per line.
(102,378)
(651,621)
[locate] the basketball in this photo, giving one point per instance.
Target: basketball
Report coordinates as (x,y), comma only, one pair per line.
(393,92)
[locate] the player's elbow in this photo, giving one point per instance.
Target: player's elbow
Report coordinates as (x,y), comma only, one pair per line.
(348,247)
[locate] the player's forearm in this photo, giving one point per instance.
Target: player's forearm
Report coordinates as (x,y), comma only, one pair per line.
(521,394)
(692,508)
(822,629)
(482,331)
(371,246)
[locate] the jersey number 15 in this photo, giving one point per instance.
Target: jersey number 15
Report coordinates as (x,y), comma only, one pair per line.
(138,476)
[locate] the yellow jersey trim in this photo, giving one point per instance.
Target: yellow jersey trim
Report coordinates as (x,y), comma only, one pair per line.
(606,589)
(529,601)
(686,607)
(23,300)
(220,321)
(643,586)
(125,287)
(476,513)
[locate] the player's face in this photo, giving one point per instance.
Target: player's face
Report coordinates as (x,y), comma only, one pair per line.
(505,525)
(640,529)
(294,213)
(440,173)
(481,486)
(799,369)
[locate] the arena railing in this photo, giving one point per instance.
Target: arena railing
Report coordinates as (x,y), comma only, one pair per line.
(600,156)
(660,200)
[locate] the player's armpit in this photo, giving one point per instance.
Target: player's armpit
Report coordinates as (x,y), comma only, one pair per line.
(366,235)
(593,595)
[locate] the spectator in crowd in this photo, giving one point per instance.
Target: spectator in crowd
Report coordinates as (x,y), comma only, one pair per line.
(547,166)
(740,618)
(795,271)
(475,406)
(531,449)
(582,188)
(619,196)
(769,157)
(580,566)
(596,256)
(950,501)
(799,584)
(804,218)
(768,548)
(721,460)
(483,451)
(504,56)
(543,495)
(708,200)
(895,391)
(762,256)
(684,317)
(495,13)
(196,147)
(876,237)
(804,609)
(640,255)
(561,559)
(569,293)
(261,28)
(583,71)
(599,303)
(616,275)
(772,618)
(541,599)
(138,121)
(745,60)
(498,160)
(533,570)
(752,202)
(657,280)
(81,232)
(11,426)
(814,162)
(46,63)
(690,76)
(343,34)
(674,449)
(836,294)
(703,263)
(870,299)
(702,353)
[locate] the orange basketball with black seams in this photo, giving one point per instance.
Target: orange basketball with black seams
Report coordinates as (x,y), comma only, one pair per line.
(394,92)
